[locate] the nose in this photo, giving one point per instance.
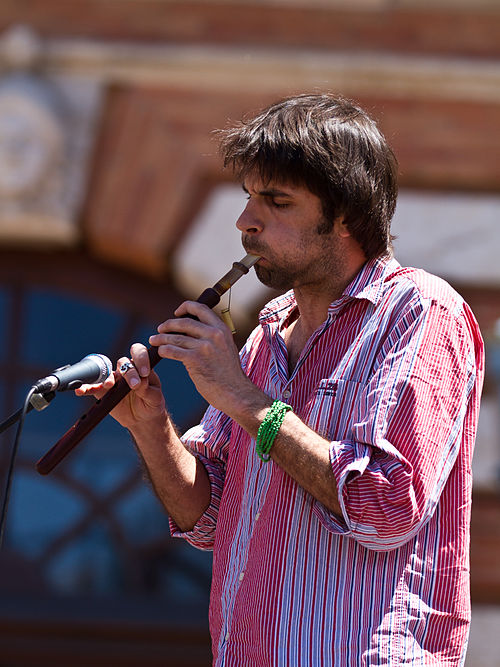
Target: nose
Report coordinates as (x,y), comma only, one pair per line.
(249,221)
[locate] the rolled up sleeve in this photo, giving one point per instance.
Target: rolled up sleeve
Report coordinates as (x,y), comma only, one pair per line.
(406,435)
(208,442)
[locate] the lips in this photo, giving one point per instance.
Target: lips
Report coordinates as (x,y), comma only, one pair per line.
(254,249)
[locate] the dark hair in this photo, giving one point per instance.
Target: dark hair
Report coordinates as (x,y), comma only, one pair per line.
(332,147)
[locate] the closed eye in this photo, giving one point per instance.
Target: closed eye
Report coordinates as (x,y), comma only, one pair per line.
(271,200)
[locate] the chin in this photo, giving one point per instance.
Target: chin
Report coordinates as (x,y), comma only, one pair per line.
(273,278)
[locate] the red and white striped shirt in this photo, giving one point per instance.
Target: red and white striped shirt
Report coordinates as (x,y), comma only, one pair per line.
(392,378)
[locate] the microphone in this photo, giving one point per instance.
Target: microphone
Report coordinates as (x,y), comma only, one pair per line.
(91,369)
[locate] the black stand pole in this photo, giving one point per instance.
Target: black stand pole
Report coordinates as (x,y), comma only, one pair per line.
(38,401)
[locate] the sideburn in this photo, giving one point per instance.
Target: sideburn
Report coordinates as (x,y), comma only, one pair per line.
(328,219)
(325,226)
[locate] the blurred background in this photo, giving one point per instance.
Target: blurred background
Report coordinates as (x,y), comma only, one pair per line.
(114,208)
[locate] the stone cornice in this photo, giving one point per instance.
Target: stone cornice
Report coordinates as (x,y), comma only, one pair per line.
(233,69)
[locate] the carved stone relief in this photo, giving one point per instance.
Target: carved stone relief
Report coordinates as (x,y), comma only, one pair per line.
(46,130)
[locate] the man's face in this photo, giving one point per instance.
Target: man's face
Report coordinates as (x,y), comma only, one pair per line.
(281,223)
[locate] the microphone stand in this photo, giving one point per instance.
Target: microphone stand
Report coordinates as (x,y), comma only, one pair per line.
(38,402)
(33,400)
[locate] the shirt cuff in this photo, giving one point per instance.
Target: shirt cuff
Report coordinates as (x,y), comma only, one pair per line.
(202,535)
(343,465)
(347,459)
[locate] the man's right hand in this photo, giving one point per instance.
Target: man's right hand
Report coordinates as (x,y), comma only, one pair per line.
(145,401)
(179,479)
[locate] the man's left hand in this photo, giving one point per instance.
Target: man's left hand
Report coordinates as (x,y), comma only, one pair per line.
(206,348)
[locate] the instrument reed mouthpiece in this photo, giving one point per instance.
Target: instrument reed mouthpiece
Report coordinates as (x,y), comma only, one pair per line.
(249,260)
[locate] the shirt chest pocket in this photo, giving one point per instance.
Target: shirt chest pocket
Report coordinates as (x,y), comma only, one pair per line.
(333,407)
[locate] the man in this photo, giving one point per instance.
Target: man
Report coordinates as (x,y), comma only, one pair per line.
(331,475)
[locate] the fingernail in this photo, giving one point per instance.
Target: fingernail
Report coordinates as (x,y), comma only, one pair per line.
(134,382)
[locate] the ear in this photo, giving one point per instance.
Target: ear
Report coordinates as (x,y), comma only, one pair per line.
(351,246)
(340,227)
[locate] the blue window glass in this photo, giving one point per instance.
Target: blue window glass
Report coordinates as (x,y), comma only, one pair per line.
(61,330)
(92,526)
(4,318)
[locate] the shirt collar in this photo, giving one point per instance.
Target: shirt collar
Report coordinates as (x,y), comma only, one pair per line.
(367,284)
(369,281)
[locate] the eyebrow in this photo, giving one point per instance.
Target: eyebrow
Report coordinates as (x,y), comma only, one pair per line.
(270,192)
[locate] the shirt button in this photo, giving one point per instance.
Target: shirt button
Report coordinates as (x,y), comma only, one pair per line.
(287,393)
(242,574)
(257,516)
(227,637)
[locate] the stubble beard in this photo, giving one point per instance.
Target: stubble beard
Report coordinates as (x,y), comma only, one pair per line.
(283,276)
(275,277)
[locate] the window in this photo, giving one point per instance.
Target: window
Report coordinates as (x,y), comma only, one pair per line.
(92,528)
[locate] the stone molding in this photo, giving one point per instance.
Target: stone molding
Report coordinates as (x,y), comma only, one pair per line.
(235,68)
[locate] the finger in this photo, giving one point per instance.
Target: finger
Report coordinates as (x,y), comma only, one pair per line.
(193,327)
(198,310)
(96,390)
(140,358)
(127,370)
(177,353)
(185,342)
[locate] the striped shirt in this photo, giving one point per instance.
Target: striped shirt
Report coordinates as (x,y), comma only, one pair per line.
(392,379)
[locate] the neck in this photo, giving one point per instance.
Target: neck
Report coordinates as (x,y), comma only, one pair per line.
(313,301)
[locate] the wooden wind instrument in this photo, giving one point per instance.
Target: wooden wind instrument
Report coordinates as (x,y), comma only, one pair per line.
(210,297)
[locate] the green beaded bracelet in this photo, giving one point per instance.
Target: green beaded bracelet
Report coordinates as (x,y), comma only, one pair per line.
(269,428)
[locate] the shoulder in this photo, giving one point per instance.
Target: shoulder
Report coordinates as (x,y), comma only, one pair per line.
(387,284)
(424,290)
(434,301)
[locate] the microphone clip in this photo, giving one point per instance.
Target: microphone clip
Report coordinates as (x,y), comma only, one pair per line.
(41,401)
